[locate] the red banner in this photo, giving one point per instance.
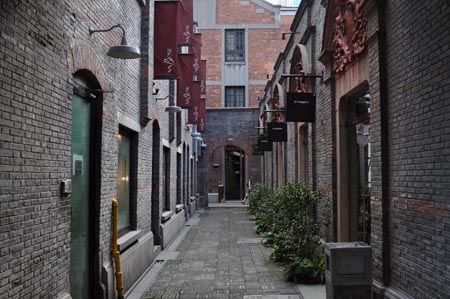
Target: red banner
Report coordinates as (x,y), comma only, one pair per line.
(185,83)
(202,115)
(197,52)
(203,77)
(193,113)
(185,20)
(165,51)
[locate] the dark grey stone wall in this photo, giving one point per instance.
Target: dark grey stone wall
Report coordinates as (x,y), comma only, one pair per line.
(228,126)
(42,44)
(410,143)
(418,85)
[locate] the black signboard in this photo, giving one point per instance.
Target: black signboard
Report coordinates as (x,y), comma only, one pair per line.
(301,107)
(277,132)
(264,144)
(256,150)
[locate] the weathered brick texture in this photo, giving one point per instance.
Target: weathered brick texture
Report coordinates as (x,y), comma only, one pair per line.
(42,44)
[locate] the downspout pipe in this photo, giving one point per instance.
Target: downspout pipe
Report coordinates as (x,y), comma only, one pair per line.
(115,250)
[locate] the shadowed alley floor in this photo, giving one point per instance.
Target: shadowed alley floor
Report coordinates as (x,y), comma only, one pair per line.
(220,257)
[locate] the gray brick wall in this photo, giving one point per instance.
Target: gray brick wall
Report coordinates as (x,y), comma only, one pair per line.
(41,45)
(410,141)
(418,66)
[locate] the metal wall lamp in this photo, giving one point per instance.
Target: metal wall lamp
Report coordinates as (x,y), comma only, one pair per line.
(165,98)
(173,109)
(283,35)
(124,51)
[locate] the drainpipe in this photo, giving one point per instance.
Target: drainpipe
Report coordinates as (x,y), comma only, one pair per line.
(115,250)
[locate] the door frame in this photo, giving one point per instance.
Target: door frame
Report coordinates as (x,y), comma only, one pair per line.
(85,83)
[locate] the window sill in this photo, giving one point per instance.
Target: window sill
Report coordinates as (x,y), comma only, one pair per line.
(235,62)
(179,208)
(165,216)
(128,239)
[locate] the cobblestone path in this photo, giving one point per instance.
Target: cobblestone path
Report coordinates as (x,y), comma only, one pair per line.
(221,258)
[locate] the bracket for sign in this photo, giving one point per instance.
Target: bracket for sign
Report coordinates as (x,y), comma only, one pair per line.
(304,76)
(280,110)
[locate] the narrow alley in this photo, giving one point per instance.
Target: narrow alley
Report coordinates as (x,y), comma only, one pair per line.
(218,256)
(132,132)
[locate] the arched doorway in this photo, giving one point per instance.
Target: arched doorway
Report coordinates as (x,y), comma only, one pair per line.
(234,173)
(354,171)
(86,174)
(300,65)
(156,149)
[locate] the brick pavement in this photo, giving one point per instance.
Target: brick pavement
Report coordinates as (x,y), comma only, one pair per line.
(221,258)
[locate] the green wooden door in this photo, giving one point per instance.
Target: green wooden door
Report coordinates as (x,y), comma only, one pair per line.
(79,227)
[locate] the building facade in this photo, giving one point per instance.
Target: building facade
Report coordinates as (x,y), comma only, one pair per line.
(240,39)
(376,141)
(80,128)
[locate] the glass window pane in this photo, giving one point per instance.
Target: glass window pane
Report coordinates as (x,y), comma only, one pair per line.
(124,181)
(235,45)
(234,96)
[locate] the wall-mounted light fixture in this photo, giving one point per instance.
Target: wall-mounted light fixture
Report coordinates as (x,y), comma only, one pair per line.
(165,98)
(196,134)
(283,35)
(173,109)
(124,51)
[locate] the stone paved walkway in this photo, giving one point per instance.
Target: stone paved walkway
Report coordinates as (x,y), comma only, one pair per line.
(221,258)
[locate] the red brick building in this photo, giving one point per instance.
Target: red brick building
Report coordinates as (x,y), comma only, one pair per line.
(240,39)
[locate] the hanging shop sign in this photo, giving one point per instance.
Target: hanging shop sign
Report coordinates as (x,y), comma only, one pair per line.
(256,150)
(264,144)
(165,51)
(300,107)
(277,131)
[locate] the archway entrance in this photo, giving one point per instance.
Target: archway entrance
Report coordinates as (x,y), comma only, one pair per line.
(354,171)
(85,161)
(234,173)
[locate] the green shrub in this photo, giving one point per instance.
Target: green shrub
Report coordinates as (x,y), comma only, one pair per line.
(286,220)
(305,270)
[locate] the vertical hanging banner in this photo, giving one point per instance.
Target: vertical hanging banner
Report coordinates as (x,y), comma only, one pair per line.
(203,78)
(194,113)
(185,83)
(184,20)
(184,32)
(202,115)
(197,52)
(166,50)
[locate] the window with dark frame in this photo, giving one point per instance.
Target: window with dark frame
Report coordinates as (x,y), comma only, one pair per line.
(235,45)
(166,178)
(126,179)
(234,96)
